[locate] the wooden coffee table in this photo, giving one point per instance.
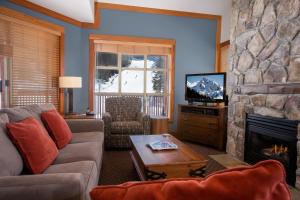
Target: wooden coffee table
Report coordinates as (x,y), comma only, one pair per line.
(153,165)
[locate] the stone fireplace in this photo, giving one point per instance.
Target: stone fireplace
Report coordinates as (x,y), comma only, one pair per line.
(264,72)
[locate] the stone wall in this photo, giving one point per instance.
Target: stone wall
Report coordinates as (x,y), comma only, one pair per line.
(264,71)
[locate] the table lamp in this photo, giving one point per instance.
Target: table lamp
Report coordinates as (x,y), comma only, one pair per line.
(70,82)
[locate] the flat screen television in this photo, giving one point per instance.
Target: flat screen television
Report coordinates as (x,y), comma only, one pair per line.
(206,88)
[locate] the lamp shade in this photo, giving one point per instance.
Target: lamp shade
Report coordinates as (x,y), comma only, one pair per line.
(70,82)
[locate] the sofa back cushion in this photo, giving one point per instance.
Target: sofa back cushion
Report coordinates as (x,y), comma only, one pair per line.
(265,180)
(123,108)
(21,112)
(57,128)
(16,114)
(35,145)
(11,163)
(36,110)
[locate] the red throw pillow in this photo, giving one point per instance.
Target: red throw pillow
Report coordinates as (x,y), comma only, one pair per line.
(57,128)
(32,140)
(265,180)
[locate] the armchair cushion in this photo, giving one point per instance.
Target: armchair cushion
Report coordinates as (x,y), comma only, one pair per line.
(123,108)
(144,119)
(126,128)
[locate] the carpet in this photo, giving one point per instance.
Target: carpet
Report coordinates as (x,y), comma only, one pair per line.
(117,166)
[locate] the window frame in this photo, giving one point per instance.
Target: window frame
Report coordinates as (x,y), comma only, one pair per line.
(145,69)
(133,40)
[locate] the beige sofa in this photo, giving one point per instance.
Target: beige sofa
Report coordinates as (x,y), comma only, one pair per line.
(70,177)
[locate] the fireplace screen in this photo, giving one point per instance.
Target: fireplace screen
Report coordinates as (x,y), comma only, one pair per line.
(272,138)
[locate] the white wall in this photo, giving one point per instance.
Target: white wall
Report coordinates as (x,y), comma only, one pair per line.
(217,7)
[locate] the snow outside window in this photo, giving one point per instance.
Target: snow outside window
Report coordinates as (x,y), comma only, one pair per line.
(131,74)
(143,75)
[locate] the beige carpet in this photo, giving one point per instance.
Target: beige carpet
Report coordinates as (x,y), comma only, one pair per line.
(117,166)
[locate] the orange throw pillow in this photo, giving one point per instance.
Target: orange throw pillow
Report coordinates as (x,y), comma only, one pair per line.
(57,128)
(265,180)
(32,140)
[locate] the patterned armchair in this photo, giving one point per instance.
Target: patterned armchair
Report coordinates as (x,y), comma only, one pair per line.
(123,117)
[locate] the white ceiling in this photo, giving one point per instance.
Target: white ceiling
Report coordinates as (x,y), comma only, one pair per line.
(83,10)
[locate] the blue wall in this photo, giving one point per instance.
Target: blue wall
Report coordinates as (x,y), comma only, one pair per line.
(195,43)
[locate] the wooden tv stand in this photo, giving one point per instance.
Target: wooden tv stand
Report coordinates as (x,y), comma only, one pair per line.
(203,124)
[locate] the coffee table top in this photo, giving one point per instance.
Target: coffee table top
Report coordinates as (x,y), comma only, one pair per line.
(149,157)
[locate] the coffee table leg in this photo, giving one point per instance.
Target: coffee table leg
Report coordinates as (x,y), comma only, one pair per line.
(152,175)
(198,172)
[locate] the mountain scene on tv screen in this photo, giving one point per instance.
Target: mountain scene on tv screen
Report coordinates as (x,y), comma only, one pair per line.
(207,88)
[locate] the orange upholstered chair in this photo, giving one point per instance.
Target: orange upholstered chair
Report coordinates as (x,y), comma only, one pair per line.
(263,181)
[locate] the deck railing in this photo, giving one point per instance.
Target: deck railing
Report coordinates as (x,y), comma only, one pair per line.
(151,104)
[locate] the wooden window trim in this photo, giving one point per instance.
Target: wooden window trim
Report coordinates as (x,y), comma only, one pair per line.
(32,21)
(171,43)
(46,26)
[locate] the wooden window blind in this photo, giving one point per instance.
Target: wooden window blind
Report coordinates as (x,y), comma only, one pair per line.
(35,66)
(131,48)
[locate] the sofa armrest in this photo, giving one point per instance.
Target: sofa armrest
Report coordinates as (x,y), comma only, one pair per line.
(85,125)
(44,186)
(107,119)
(145,120)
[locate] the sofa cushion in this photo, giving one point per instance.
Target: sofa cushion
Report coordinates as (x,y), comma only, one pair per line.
(35,110)
(47,106)
(11,163)
(87,137)
(19,113)
(16,114)
(126,128)
(265,180)
(80,152)
(87,168)
(36,147)
(57,128)
(85,125)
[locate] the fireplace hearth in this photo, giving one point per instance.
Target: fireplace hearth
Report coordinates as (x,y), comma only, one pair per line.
(272,138)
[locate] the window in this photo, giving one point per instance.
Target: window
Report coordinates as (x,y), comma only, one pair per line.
(29,72)
(134,69)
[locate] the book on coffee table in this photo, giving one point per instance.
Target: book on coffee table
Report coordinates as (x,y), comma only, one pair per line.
(163,145)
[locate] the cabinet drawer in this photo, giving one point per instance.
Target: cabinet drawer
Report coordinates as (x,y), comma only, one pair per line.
(203,122)
(204,136)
